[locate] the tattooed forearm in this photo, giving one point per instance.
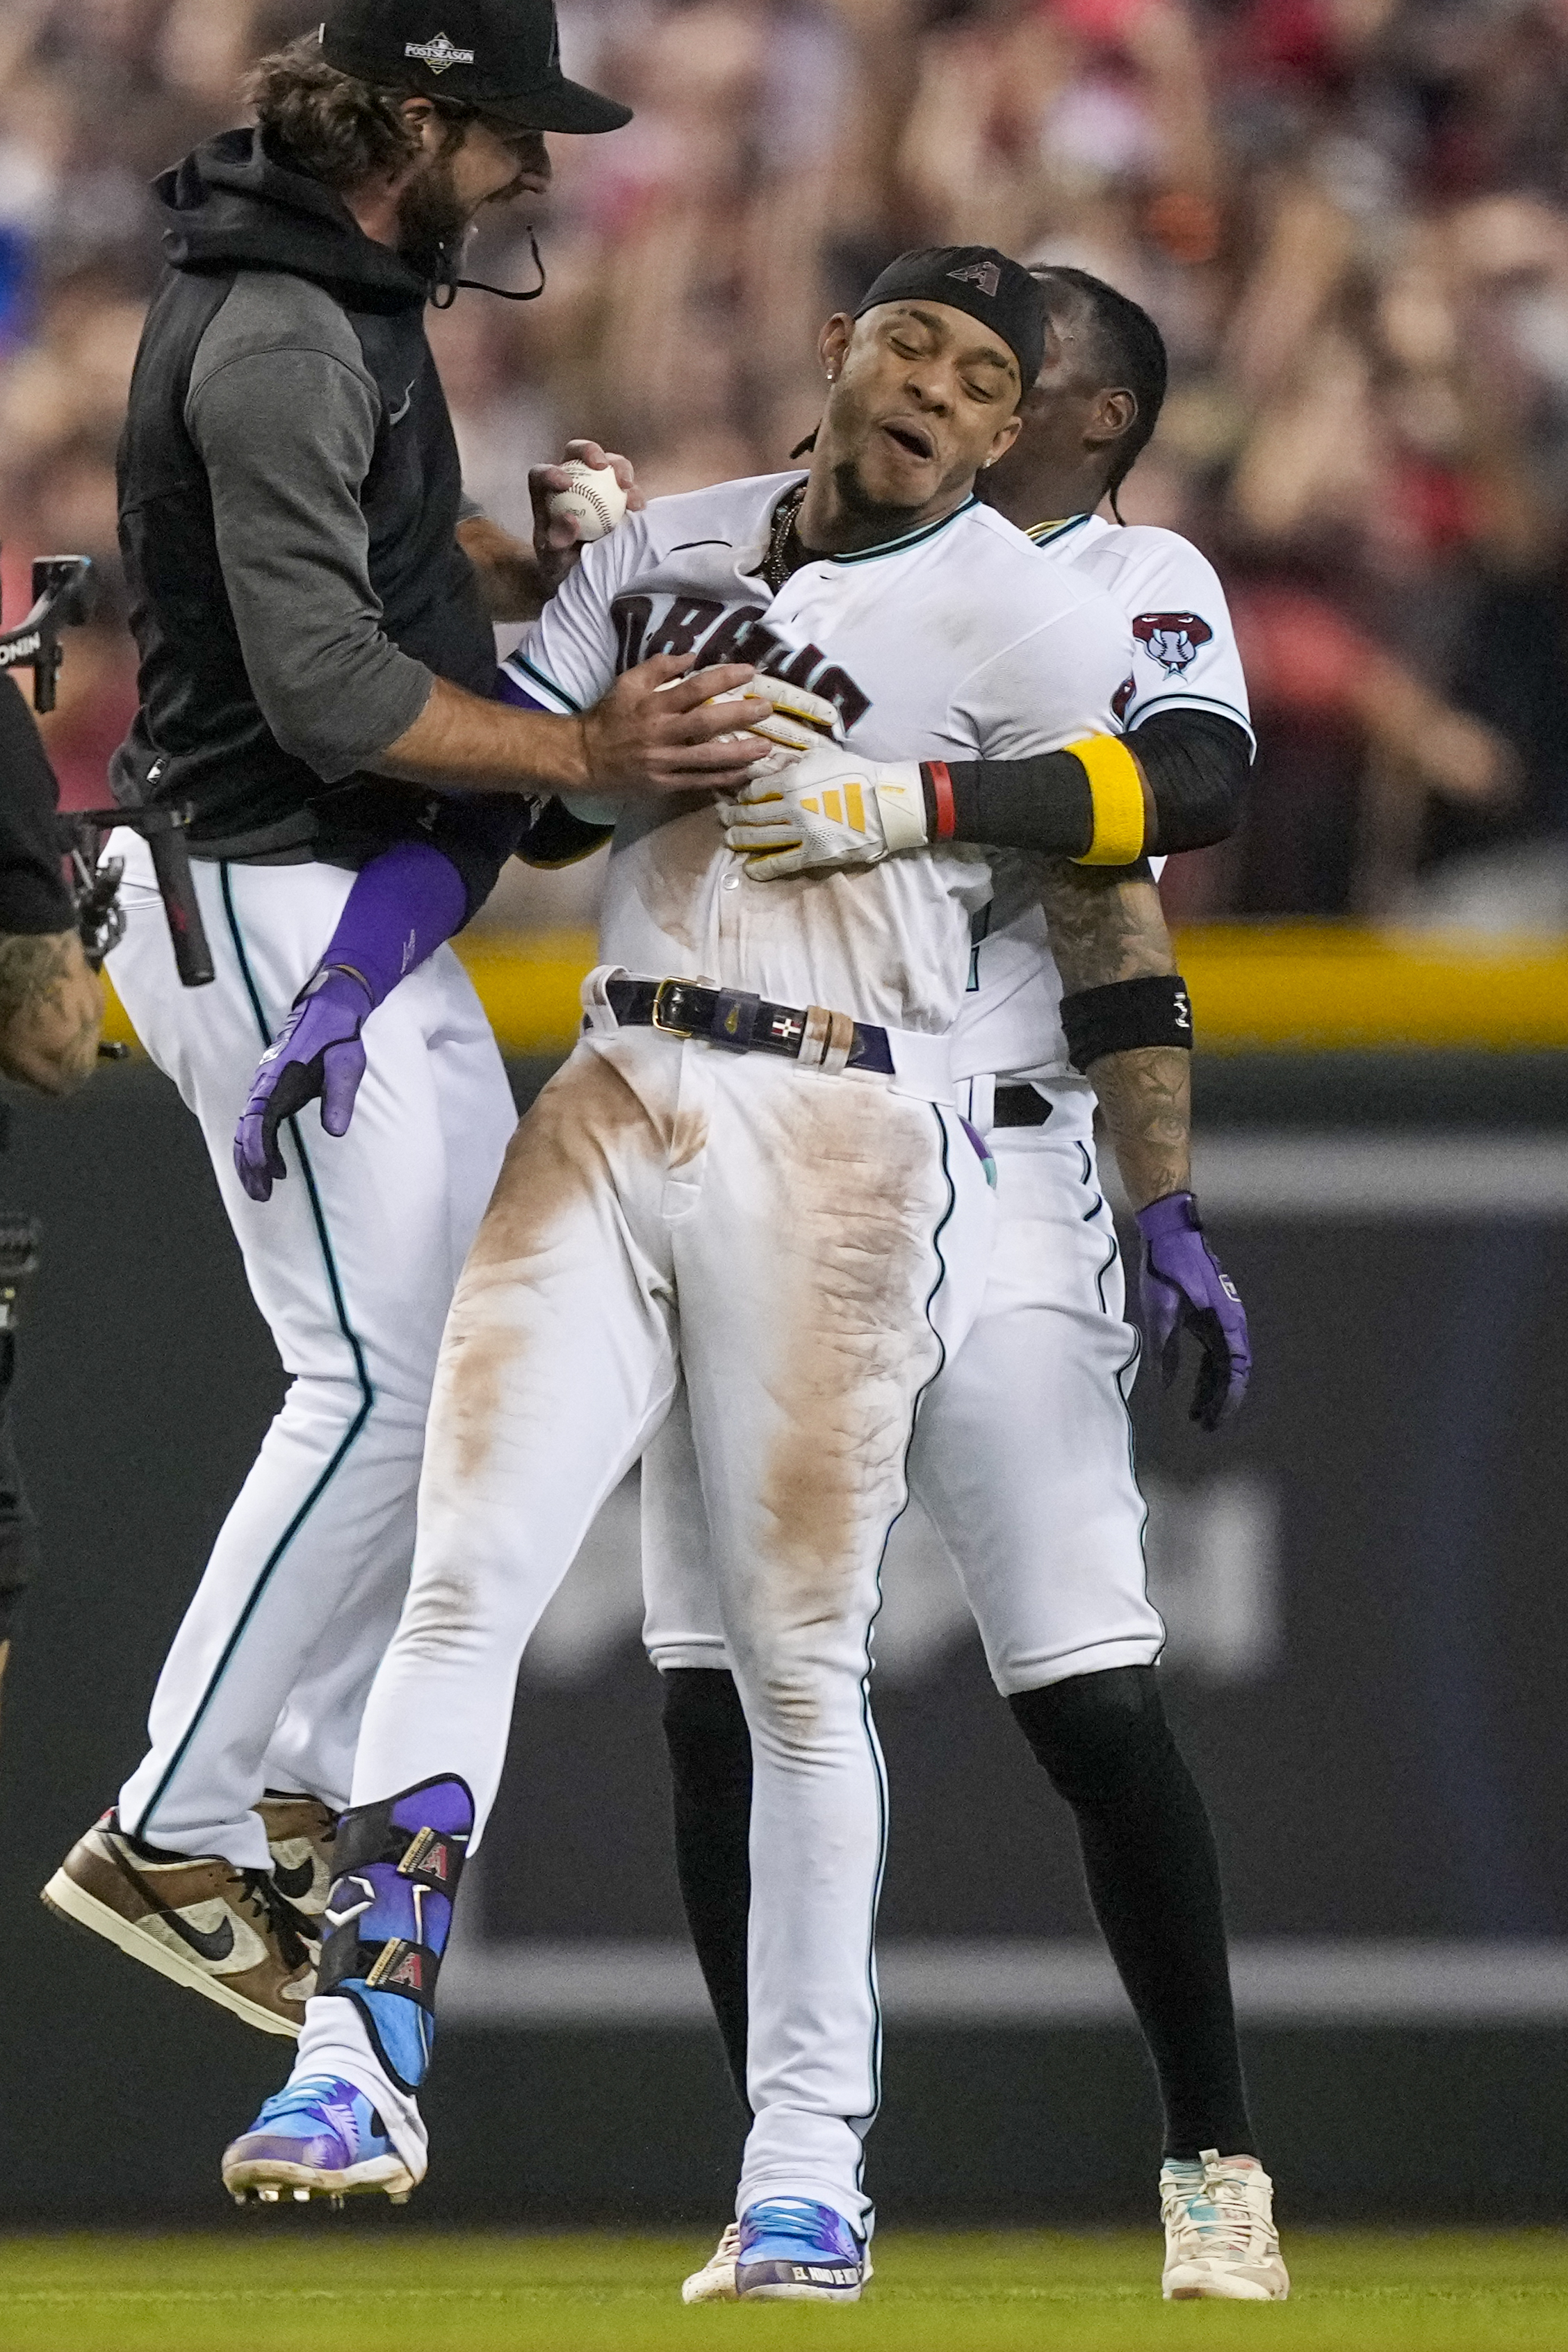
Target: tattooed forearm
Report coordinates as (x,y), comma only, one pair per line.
(32,970)
(1107,924)
(51,1011)
(1145,1097)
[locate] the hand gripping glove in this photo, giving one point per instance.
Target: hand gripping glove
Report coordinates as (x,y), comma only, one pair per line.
(793,720)
(1183,1287)
(834,810)
(316,1053)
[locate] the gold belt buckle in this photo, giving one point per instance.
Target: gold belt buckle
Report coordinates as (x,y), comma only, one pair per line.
(661,997)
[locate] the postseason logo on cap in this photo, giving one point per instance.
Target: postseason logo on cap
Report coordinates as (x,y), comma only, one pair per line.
(438,53)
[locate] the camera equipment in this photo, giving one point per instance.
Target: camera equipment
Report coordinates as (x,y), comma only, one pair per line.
(59,601)
(60,585)
(162,829)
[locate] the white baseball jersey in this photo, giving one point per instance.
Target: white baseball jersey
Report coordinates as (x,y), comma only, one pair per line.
(1021,1455)
(1184,657)
(795,1252)
(956,642)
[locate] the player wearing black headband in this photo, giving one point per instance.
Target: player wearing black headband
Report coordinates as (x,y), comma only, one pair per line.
(1021,1456)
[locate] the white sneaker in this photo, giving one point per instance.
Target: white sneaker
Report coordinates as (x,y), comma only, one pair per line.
(715,2281)
(1220,2238)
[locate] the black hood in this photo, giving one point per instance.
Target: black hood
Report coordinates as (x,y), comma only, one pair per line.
(237,206)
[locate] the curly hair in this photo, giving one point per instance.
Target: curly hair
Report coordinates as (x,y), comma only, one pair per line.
(340,131)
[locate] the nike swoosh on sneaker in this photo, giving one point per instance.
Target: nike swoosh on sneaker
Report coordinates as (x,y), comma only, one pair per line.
(296,1882)
(211,1930)
(212,1944)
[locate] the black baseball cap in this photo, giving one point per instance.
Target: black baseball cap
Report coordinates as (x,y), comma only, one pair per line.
(997,291)
(499,57)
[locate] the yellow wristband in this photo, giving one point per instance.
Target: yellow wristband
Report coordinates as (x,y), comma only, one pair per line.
(1116,790)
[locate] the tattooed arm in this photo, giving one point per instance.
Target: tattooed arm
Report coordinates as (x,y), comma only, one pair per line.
(1107,924)
(51,1011)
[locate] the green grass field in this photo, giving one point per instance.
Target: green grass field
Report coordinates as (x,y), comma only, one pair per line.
(332,2287)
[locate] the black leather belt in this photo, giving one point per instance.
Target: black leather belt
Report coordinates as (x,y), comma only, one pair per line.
(743,1022)
(1019,1107)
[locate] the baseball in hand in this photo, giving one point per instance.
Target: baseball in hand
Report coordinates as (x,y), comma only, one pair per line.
(595,500)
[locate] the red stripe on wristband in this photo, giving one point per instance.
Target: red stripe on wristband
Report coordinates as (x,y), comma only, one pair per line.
(941,789)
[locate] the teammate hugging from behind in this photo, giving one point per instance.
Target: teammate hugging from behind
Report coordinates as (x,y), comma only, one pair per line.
(1022,1455)
(750,1186)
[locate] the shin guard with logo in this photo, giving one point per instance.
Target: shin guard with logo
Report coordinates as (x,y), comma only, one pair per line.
(395,1870)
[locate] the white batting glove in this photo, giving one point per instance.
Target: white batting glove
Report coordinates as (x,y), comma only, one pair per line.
(794,722)
(834,810)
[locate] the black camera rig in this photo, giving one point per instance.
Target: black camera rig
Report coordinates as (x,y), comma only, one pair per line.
(60,596)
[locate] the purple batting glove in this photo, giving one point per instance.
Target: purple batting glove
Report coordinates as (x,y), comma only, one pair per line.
(1183,1287)
(316,1052)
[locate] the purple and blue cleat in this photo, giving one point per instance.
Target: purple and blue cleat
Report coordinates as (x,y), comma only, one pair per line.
(318,2138)
(792,2251)
(396,1867)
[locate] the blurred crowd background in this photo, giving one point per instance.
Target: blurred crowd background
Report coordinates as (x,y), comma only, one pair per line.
(1348,216)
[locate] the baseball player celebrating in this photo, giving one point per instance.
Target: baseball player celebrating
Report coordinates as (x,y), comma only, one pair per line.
(314,618)
(1022,1453)
(750,1174)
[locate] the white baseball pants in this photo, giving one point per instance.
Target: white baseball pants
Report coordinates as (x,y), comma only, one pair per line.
(802,1247)
(352,1263)
(1022,1456)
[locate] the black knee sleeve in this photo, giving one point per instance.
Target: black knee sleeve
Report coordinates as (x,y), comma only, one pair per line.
(1097,1735)
(711,1766)
(1154,1879)
(705,1724)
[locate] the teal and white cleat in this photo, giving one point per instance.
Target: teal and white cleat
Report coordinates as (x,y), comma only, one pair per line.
(318,2138)
(1220,2240)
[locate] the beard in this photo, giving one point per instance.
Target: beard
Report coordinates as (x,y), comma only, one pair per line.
(432,219)
(858,502)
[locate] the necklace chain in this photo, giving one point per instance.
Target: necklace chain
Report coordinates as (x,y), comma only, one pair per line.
(775,565)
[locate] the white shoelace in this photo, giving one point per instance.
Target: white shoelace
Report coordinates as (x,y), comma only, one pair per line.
(1226,2228)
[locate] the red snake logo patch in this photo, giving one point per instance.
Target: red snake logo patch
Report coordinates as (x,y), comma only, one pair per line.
(1172,638)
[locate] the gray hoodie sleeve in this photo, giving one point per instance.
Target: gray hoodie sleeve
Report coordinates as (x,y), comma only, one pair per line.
(284,415)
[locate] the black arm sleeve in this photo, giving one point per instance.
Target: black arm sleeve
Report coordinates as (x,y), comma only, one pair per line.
(558,838)
(477,834)
(33,894)
(480,832)
(1195,765)
(1193,762)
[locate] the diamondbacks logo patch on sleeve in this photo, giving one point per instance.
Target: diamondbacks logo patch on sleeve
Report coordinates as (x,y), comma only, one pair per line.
(1172,638)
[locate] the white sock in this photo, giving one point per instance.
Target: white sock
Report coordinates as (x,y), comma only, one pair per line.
(334,2040)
